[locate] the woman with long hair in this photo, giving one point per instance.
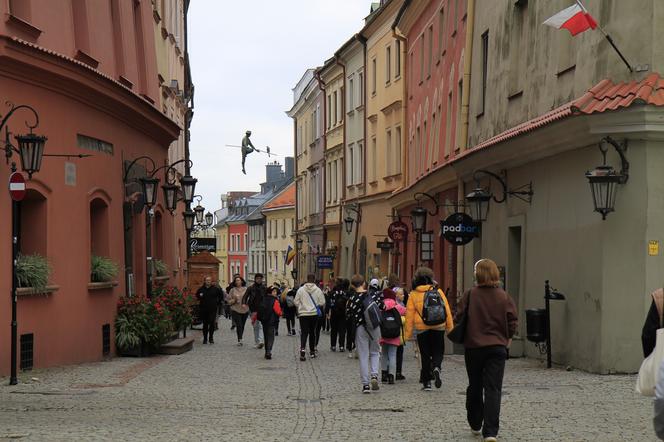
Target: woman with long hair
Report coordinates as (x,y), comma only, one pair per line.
(239,311)
(491,321)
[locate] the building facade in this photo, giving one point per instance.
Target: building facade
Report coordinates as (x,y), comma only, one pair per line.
(107,88)
(307,115)
(222,233)
(279,215)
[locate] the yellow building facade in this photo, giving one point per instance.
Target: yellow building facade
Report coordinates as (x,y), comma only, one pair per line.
(279,226)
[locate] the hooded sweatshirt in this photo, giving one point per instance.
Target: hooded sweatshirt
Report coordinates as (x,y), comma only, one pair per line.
(303,299)
(414,322)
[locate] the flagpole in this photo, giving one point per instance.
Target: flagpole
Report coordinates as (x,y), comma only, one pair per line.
(608,38)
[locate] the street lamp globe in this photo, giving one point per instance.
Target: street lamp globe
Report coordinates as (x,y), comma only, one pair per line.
(209,219)
(419,218)
(170,196)
(348,222)
(200,213)
(603,182)
(31,151)
(478,200)
(150,190)
(188,184)
(189,217)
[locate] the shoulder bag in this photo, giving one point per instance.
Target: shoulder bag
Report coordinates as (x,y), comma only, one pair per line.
(649,371)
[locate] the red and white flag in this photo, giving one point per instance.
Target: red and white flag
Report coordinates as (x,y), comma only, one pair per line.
(575,19)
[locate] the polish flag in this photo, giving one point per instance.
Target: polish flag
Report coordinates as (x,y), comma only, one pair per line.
(575,19)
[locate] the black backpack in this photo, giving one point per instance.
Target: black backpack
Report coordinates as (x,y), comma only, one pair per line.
(254,298)
(338,302)
(390,323)
(433,308)
(266,309)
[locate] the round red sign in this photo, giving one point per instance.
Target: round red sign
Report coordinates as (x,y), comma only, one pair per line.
(397,231)
(16,186)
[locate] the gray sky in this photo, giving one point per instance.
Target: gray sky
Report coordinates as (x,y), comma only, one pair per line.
(246,56)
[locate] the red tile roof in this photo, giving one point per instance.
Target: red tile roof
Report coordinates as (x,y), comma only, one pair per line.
(285,198)
(605,96)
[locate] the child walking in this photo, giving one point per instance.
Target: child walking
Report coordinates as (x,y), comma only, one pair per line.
(269,315)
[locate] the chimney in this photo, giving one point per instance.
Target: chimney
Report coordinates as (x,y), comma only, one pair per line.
(272,173)
(290,168)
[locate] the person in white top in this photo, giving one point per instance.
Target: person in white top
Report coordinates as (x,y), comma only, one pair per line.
(310,302)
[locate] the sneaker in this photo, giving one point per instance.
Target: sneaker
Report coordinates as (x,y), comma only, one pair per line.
(303,355)
(341,349)
(390,379)
(436,376)
(490,439)
(426,386)
(312,355)
(374,383)
(476,432)
(333,349)
(400,377)
(211,341)
(383,376)
(350,354)
(268,356)
(204,341)
(366,389)
(260,345)
(233,327)
(239,343)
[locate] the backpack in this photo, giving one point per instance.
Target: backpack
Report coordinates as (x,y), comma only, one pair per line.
(338,302)
(254,298)
(266,309)
(433,308)
(390,323)
(290,301)
(372,314)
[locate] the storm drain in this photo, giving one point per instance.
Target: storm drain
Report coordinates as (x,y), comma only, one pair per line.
(27,351)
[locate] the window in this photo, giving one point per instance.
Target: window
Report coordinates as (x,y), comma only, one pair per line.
(317,121)
(422,58)
(432,143)
(425,146)
(328,176)
(436,139)
(485,68)
(373,76)
(81,32)
(359,163)
(232,243)
(448,126)
(388,152)
(270,261)
(350,172)
(99,241)
(329,111)
(21,9)
(335,107)
(417,148)
(455,18)
(245,243)
(361,87)
(283,228)
(397,58)
(397,150)
(34,219)
(458,140)
(441,31)
(426,246)
(333,181)
(351,91)
(430,51)
(388,64)
(373,159)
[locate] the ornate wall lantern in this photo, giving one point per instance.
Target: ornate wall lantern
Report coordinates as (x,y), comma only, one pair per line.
(603,179)
(479,199)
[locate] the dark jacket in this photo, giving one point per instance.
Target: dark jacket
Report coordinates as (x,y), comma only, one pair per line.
(269,311)
(254,296)
(209,298)
(337,302)
(492,317)
(355,306)
(649,331)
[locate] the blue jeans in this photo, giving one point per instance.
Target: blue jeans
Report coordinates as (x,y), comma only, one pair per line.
(258,332)
(389,360)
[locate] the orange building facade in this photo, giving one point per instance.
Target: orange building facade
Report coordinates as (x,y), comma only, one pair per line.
(91,74)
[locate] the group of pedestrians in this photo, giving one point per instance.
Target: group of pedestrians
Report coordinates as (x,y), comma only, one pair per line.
(373,323)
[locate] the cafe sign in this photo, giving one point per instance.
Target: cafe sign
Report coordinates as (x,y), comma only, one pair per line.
(459,229)
(397,231)
(198,245)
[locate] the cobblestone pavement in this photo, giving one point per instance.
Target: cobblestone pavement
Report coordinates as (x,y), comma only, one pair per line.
(225,392)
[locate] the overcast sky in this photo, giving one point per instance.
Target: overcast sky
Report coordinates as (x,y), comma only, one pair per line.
(246,56)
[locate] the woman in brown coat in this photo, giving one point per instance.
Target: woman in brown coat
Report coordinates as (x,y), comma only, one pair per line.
(491,323)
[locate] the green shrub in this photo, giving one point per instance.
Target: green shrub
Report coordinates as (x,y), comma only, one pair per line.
(102,269)
(160,267)
(33,271)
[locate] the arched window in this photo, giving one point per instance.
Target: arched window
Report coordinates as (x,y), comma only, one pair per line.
(34,219)
(99,228)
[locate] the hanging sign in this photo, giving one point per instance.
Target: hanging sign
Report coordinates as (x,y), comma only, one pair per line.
(459,229)
(324,262)
(397,231)
(203,244)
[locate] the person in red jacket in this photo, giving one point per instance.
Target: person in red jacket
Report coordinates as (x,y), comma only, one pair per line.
(269,314)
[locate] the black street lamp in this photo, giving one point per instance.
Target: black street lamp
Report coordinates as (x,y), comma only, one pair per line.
(149,185)
(189,217)
(188,185)
(603,179)
(209,219)
(480,197)
(170,196)
(200,213)
(419,218)
(31,151)
(348,222)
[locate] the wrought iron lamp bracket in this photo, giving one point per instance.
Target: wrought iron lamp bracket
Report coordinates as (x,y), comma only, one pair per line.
(524,193)
(620,149)
(419,195)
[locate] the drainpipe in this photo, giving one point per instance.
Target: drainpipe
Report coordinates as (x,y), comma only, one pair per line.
(465,118)
(321,86)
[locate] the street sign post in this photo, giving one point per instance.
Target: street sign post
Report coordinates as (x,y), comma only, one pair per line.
(16,186)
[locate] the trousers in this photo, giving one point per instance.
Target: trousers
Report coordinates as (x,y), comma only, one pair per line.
(368,352)
(432,348)
(337,329)
(485,367)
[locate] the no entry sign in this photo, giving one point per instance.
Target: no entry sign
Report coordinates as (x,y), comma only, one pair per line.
(16,186)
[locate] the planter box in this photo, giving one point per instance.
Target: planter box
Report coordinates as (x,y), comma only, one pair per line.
(102,285)
(30,291)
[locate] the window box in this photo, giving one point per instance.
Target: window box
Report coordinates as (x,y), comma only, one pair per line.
(30,291)
(102,285)
(161,278)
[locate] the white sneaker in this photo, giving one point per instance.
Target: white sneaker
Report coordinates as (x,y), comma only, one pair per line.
(490,439)
(350,354)
(476,432)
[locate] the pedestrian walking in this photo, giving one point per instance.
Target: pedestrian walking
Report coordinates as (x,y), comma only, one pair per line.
(268,314)
(491,321)
(254,299)
(310,303)
(288,307)
(365,307)
(208,295)
(428,315)
(392,325)
(239,310)
(337,312)
(399,294)
(350,326)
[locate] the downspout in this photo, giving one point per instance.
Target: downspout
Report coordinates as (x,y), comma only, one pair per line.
(321,86)
(465,119)
(343,144)
(396,33)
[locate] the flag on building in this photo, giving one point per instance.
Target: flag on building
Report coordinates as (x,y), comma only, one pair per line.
(575,19)
(290,255)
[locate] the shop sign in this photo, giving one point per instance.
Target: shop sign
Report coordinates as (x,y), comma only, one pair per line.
(397,231)
(198,245)
(653,248)
(325,262)
(459,229)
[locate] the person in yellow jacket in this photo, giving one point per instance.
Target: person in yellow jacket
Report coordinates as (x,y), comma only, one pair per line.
(430,338)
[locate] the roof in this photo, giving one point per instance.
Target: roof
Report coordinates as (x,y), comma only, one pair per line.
(284,199)
(603,97)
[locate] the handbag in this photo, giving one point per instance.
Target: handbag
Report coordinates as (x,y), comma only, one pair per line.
(319,312)
(650,367)
(458,333)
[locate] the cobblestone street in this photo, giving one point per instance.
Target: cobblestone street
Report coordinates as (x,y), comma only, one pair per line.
(225,392)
